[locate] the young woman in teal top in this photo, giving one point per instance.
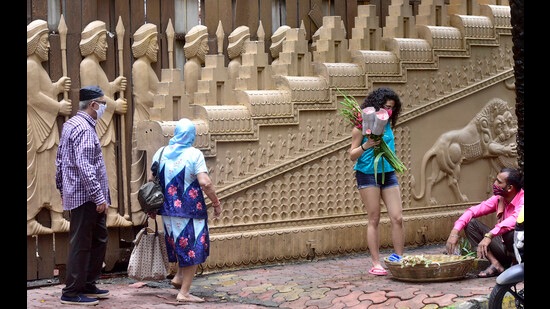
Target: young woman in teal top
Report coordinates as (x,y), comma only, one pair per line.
(386,188)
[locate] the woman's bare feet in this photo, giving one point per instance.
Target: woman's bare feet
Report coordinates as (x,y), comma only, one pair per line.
(189,298)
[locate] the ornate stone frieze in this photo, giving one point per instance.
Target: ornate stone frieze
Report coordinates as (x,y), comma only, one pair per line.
(500,15)
(474,27)
(305,88)
(342,74)
(377,62)
(440,37)
(266,103)
(411,50)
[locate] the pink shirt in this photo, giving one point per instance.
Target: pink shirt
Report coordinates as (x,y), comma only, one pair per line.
(506,214)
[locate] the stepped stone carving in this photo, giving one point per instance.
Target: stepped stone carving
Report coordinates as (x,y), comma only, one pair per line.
(331,45)
(255,72)
(295,59)
(366,35)
(400,22)
(432,12)
(213,87)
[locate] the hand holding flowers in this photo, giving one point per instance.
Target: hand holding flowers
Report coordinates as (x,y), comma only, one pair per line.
(372,124)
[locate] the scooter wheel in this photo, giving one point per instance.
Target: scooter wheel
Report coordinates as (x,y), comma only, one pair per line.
(506,296)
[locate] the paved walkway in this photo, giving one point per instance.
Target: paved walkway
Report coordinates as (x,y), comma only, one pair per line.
(342,282)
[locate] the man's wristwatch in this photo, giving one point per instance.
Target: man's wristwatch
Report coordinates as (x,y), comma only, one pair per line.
(488,235)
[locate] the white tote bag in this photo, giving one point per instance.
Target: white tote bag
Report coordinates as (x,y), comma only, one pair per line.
(149,259)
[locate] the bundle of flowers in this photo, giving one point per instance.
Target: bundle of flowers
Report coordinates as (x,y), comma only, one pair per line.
(372,124)
(351,111)
(413,260)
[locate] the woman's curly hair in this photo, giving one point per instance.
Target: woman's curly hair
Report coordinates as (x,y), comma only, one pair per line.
(378,97)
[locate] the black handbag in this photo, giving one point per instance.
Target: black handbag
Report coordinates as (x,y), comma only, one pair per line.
(150,194)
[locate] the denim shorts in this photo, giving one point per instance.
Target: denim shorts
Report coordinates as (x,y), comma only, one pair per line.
(367,180)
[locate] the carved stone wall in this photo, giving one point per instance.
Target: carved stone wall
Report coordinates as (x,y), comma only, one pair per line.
(277,151)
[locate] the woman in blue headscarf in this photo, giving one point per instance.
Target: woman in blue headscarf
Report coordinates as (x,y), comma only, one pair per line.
(184,177)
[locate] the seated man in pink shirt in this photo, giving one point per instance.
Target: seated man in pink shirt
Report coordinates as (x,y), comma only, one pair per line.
(494,244)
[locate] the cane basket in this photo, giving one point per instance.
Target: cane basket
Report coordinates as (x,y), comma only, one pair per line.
(441,268)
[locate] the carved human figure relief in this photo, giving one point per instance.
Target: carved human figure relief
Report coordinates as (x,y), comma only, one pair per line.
(291,142)
(479,68)
(251,160)
(229,166)
(489,135)
(340,129)
(330,127)
(211,172)
(195,50)
(282,147)
(449,80)
(93,47)
(472,71)
(458,78)
(481,64)
(433,88)
(303,141)
(416,91)
(464,76)
(262,156)
(440,78)
(489,65)
(270,150)
(320,132)
(309,134)
(145,84)
(43,108)
(502,58)
(220,169)
(241,166)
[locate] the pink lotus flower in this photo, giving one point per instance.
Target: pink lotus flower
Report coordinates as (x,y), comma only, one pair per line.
(380,121)
(368,115)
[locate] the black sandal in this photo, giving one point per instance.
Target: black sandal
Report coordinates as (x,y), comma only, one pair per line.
(490,271)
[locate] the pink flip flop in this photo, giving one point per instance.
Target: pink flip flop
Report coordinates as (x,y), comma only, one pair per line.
(378,271)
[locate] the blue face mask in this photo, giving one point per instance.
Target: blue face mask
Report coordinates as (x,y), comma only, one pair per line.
(101,110)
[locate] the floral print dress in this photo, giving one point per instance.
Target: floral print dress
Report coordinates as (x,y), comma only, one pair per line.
(184,214)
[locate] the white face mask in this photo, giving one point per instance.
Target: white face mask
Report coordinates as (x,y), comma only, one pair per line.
(101,110)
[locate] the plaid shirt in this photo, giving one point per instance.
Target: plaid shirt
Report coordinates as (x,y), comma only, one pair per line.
(81,175)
